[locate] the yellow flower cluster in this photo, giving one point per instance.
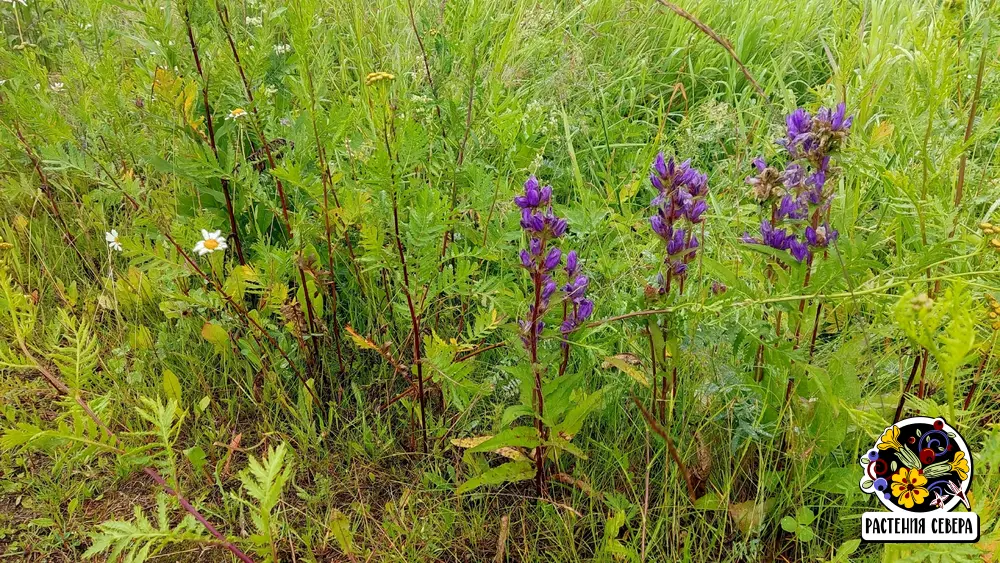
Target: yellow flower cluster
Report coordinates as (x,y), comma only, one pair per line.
(374,77)
(991,229)
(994,313)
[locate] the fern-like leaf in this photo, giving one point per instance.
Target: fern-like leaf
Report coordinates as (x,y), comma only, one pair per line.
(139,539)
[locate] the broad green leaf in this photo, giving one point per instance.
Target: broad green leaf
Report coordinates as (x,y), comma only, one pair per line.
(506,473)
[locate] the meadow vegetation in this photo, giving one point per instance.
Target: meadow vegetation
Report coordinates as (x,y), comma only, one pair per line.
(495,280)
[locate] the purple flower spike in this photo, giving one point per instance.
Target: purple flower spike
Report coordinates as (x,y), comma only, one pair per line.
(571,264)
(680,205)
(799,249)
(660,165)
(695,210)
(676,244)
(525,259)
(552,259)
(541,257)
(659,226)
(585,310)
(535,246)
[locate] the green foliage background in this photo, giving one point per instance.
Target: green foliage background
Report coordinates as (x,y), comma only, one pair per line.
(303,442)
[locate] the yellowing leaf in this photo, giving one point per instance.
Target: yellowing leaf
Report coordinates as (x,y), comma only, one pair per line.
(628,369)
(171,386)
(470,442)
(340,525)
(214,334)
(511,453)
(883,131)
(506,451)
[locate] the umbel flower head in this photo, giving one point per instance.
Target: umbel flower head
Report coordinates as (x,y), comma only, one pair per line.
(679,206)
(210,242)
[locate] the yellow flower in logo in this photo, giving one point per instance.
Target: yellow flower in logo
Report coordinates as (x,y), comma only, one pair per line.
(890,439)
(908,486)
(960,465)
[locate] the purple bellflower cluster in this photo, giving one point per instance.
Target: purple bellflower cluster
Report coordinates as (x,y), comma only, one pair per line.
(578,307)
(680,207)
(541,259)
(800,195)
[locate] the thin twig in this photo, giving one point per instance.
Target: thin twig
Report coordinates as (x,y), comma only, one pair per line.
(670,447)
(197,516)
(234,227)
(909,382)
(720,40)
(223,13)
(224,18)
(960,184)
(47,190)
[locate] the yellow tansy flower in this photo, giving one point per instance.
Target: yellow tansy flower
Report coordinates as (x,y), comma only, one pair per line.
(960,465)
(890,439)
(908,487)
(374,77)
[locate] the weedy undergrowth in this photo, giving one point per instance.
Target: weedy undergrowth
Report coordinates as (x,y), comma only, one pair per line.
(273,285)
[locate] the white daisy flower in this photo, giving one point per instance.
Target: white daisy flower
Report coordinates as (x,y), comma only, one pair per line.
(113,242)
(210,242)
(237,113)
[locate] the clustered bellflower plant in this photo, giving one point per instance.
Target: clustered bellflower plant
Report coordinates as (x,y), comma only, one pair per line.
(799,196)
(680,207)
(542,259)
